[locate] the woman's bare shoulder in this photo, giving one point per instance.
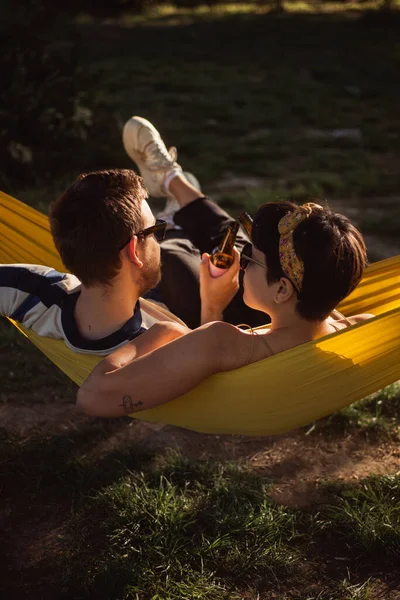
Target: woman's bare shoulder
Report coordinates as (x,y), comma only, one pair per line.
(231,343)
(359,318)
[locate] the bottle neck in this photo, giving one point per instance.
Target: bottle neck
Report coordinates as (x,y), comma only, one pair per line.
(228,242)
(247,223)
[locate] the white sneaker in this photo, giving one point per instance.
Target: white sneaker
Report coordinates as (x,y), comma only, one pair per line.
(146,148)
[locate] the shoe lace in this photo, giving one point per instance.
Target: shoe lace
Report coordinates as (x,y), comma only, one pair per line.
(157,156)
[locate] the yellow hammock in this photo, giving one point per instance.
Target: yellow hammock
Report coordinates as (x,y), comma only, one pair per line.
(268,397)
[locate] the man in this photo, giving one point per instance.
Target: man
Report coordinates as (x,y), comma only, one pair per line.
(105,233)
(196,225)
(109,240)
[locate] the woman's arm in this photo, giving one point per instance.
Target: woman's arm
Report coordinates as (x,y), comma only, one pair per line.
(217,292)
(158,335)
(164,374)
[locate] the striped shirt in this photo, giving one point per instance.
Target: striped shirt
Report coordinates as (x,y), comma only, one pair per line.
(44,301)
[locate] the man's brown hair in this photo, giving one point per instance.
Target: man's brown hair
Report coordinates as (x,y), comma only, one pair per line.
(93,218)
(331,248)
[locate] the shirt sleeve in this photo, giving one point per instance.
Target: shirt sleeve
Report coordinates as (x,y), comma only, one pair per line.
(21,286)
(11,294)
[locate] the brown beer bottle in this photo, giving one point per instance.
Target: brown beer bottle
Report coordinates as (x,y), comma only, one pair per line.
(222,256)
(246,222)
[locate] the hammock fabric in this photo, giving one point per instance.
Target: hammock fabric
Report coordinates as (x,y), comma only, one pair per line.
(269,397)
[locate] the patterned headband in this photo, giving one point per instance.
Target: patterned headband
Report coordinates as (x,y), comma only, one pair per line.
(292,265)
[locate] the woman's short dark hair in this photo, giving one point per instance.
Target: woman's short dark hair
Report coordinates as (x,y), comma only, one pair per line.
(331,248)
(92,219)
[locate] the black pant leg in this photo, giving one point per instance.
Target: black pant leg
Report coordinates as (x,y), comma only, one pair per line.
(179,287)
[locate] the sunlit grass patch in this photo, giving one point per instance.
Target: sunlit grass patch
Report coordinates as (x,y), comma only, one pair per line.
(332,7)
(186,11)
(169,14)
(358,591)
(213,532)
(378,414)
(365,516)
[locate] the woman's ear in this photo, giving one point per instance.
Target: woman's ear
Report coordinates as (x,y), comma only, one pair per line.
(132,249)
(284,291)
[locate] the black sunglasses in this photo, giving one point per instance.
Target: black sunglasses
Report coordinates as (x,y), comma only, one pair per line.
(158,230)
(246,257)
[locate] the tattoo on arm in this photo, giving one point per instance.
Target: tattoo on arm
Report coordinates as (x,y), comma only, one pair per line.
(129,406)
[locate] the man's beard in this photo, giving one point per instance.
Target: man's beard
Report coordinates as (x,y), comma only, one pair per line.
(150,276)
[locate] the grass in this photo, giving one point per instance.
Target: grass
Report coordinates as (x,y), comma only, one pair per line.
(267,102)
(163,526)
(366,516)
(209,537)
(377,415)
(280,102)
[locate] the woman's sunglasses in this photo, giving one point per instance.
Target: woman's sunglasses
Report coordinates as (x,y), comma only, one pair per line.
(158,230)
(246,257)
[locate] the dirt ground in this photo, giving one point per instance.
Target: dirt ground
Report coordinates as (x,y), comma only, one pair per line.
(296,462)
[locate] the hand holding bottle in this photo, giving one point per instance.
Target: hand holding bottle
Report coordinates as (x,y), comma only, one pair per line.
(217,292)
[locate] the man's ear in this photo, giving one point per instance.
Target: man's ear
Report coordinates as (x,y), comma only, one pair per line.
(284,291)
(132,249)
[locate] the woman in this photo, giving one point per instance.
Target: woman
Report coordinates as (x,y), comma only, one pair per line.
(302,262)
